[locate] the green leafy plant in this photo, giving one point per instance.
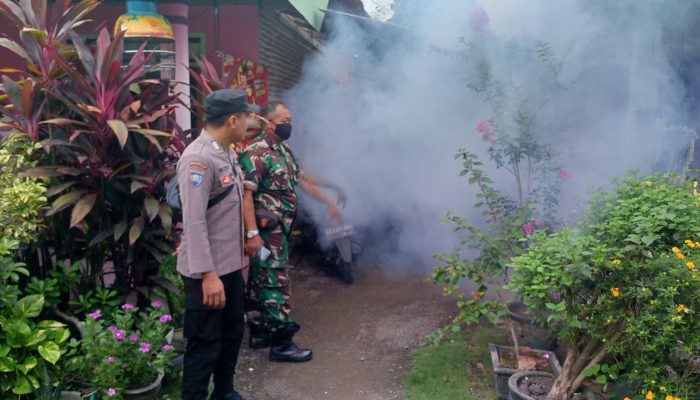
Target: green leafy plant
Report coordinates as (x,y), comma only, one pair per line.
(103,126)
(508,218)
(124,352)
(27,344)
(22,198)
(623,285)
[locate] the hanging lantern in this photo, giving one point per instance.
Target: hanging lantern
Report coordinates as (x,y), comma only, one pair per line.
(142,23)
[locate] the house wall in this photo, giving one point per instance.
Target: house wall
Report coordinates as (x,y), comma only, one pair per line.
(282,48)
(239,29)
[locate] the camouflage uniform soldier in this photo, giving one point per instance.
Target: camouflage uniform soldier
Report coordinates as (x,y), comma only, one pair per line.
(272,175)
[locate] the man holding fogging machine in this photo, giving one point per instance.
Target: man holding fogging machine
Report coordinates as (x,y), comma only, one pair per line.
(272,175)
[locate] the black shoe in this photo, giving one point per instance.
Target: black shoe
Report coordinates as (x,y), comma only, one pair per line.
(231,396)
(258,342)
(290,352)
(259,338)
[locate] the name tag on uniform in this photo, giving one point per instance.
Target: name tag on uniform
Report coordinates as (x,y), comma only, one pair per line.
(226,180)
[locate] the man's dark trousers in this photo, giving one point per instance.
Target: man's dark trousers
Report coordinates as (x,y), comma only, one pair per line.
(213,338)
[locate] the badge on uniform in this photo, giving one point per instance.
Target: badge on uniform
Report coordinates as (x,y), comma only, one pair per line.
(226,180)
(197,178)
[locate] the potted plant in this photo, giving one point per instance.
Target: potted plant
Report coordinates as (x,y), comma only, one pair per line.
(124,356)
(626,281)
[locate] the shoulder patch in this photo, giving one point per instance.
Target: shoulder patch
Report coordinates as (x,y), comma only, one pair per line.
(197,178)
(198,166)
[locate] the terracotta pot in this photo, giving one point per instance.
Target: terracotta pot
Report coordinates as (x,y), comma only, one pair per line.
(502,372)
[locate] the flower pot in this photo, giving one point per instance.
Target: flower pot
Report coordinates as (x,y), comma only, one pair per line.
(179,344)
(78,391)
(146,392)
(530,385)
(505,365)
(535,385)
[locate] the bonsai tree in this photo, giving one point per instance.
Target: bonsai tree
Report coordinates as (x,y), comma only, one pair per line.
(622,288)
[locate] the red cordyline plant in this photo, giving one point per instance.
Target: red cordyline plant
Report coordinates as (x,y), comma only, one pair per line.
(104,128)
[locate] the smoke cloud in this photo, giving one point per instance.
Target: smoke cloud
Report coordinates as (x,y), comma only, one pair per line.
(382,109)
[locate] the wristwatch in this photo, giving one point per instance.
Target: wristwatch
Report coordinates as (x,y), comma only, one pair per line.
(252,234)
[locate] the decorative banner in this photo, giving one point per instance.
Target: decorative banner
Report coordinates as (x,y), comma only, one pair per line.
(250,77)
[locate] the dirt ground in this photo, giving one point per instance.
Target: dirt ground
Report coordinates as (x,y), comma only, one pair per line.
(362,336)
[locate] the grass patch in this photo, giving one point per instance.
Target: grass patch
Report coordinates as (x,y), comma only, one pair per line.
(459,369)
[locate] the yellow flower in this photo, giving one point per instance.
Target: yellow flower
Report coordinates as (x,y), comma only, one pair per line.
(690,243)
(662,388)
(626,398)
(690,265)
(650,395)
(681,308)
(669,397)
(680,255)
(616,262)
(675,249)
(615,291)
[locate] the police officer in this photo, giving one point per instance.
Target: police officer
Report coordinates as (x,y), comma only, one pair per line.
(272,175)
(211,251)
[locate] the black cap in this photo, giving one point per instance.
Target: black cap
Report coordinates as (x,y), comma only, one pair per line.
(226,102)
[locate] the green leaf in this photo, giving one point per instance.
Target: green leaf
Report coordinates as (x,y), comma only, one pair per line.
(100,237)
(30,306)
(152,207)
(38,337)
(166,217)
(4,350)
(119,128)
(29,364)
(136,230)
(588,372)
(50,352)
(22,385)
(136,185)
(601,379)
(119,230)
(64,201)
(82,209)
(38,34)
(50,324)
(7,364)
(54,190)
(14,47)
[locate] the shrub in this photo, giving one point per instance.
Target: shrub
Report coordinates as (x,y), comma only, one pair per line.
(624,284)
(27,344)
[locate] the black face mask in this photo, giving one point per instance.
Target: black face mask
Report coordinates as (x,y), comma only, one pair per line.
(284,131)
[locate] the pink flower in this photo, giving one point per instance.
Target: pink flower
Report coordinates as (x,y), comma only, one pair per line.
(134,337)
(113,328)
(127,306)
(165,319)
(167,347)
(564,175)
(482,126)
(119,335)
(95,315)
(546,356)
(478,19)
(111,392)
(555,296)
(527,228)
(145,347)
(157,304)
(110,359)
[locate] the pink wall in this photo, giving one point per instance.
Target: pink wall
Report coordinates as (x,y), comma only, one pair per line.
(239,26)
(239,30)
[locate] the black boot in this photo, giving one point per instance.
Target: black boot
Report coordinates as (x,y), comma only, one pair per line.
(283,348)
(259,337)
(231,396)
